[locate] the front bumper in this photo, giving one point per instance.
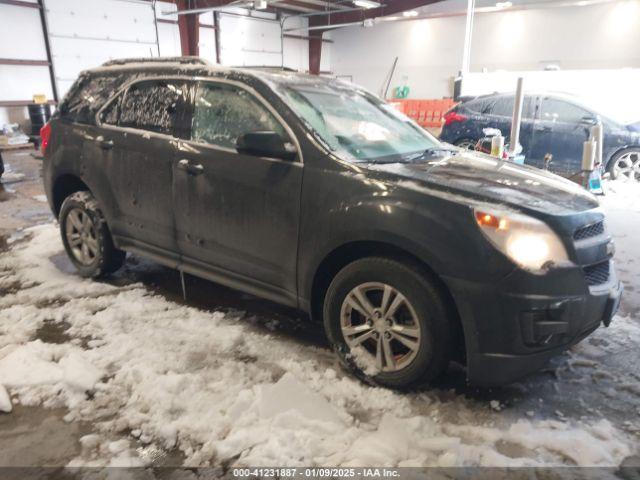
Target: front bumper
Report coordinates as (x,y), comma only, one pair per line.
(509,334)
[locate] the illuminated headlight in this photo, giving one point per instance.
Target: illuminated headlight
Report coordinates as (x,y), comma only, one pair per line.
(528,242)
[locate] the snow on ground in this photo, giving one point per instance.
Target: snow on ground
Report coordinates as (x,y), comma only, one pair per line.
(149,373)
(622,203)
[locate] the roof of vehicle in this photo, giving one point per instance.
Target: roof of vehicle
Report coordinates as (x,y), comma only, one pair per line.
(198,66)
(552,93)
(186,60)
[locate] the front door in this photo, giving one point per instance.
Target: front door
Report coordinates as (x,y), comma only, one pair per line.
(237,214)
(138,137)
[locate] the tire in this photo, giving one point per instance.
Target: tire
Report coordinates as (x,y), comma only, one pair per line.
(86,237)
(466,143)
(625,165)
(433,346)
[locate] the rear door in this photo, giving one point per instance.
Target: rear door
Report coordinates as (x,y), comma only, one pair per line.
(139,131)
(237,214)
(560,129)
(500,116)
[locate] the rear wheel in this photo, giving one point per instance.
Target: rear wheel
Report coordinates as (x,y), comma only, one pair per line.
(86,237)
(387,323)
(625,165)
(466,143)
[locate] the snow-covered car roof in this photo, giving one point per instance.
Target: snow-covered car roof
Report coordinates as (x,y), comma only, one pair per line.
(198,66)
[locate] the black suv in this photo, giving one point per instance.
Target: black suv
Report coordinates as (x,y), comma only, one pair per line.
(315,194)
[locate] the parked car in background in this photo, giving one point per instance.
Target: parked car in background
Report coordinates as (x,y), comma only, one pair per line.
(551,123)
(315,194)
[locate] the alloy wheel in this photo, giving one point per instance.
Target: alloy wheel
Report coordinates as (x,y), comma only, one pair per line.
(627,167)
(81,236)
(381,321)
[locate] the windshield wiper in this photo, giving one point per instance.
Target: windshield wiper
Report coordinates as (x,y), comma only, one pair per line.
(439,150)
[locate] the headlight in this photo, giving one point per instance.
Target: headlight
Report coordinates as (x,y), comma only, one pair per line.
(528,242)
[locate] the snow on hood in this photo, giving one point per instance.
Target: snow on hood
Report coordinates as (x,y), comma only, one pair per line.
(484,178)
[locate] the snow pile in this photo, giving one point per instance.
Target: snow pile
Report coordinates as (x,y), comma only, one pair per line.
(35,277)
(50,370)
(225,392)
(5,402)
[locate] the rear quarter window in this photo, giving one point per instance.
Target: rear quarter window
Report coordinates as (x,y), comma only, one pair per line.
(479,105)
(89,94)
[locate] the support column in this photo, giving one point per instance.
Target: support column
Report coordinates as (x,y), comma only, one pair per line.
(189,26)
(468,31)
(216,25)
(315,51)
(47,45)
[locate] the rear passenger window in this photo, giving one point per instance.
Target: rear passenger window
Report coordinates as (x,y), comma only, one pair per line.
(159,106)
(225,112)
(503,106)
(87,96)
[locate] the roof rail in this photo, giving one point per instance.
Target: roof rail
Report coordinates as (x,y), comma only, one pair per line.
(267,67)
(179,60)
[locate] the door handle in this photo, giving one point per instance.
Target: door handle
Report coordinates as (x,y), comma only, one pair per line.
(104,144)
(190,168)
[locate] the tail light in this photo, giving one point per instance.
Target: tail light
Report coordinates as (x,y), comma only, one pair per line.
(452,116)
(45,134)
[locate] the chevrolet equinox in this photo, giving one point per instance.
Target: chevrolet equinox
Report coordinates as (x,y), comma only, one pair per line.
(316,194)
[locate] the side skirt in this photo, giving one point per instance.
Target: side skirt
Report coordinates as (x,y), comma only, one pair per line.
(208,272)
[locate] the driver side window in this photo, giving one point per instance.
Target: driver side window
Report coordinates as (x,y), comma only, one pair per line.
(225,112)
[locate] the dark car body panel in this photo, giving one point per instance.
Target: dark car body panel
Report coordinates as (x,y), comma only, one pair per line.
(538,135)
(265,226)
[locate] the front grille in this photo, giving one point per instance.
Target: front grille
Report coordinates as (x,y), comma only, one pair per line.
(589,231)
(597,274)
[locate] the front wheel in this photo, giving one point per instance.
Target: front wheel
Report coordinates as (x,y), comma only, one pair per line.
(625,165)
(86,237)
(387,323)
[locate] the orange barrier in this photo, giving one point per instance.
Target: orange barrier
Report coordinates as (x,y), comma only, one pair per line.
(427,113)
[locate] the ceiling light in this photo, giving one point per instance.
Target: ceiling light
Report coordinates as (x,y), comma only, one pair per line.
(504,4)
(582,4)
(366,3)
(410,13)
(260,4)
(368,23)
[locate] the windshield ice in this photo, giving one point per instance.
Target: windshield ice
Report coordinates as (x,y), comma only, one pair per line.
(355,125)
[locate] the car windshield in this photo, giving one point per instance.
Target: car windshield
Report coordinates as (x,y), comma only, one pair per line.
(357,126)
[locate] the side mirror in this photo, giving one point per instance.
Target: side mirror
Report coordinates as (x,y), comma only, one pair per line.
(265,144)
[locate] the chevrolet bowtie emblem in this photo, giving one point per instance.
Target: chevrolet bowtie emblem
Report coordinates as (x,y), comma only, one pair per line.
(611,248)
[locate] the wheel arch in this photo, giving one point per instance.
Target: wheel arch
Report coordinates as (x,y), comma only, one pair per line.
(64,186)
(619,150)
(349,252)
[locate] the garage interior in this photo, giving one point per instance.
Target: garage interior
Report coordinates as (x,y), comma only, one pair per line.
(239,381)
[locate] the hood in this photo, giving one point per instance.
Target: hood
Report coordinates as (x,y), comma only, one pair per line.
(483,178)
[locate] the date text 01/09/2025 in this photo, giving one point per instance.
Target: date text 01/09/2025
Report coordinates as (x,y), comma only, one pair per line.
(315,472)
